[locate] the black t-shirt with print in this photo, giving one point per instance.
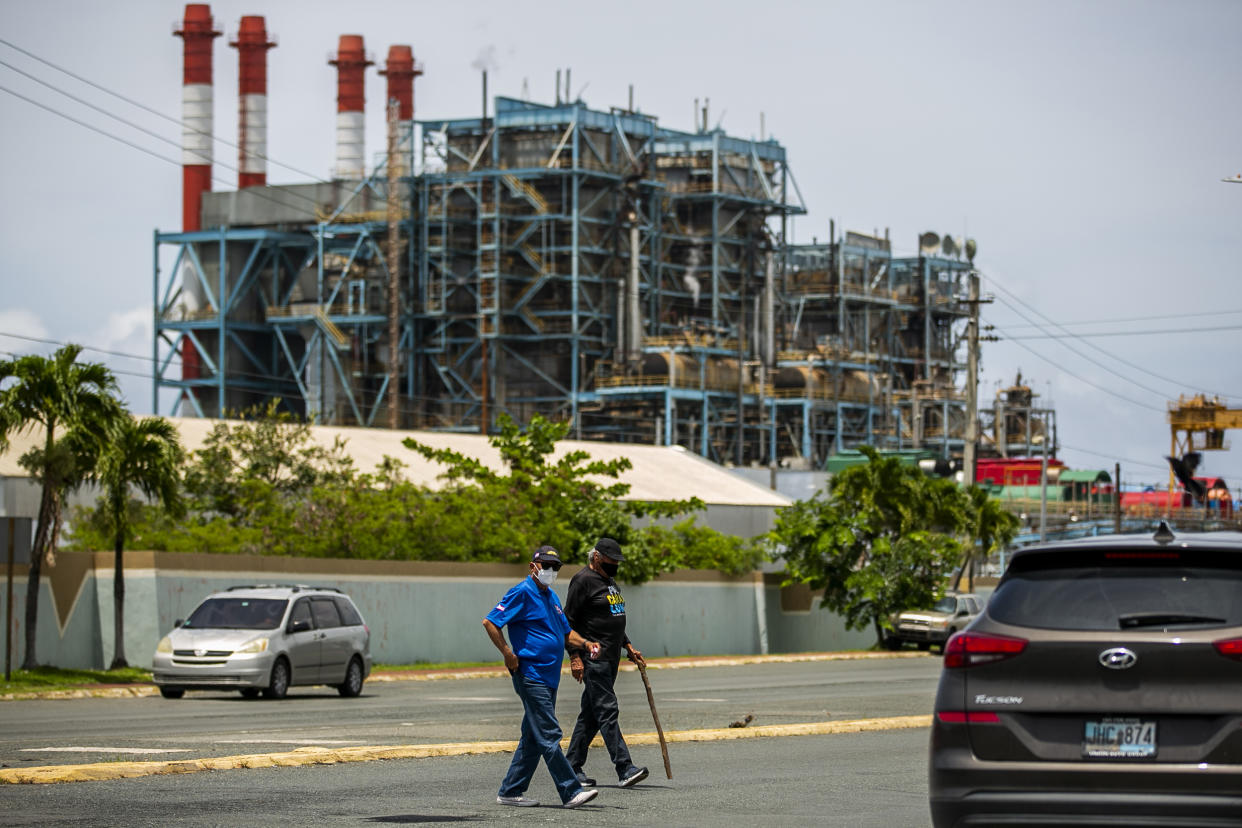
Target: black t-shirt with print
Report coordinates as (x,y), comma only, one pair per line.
(596,611)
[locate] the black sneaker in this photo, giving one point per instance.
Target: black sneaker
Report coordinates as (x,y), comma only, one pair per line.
(583,779)
(633,777)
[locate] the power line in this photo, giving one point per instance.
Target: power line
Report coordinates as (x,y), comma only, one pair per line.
(1088,358)
(1063,370)
(138,127)
(1179,384)
(1176,383)
(1120,320)
(140,148)
(151,110)
(1069,335)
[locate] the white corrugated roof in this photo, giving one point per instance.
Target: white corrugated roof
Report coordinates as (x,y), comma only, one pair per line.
(658,473)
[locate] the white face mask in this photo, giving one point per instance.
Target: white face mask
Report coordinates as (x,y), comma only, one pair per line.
(547,577)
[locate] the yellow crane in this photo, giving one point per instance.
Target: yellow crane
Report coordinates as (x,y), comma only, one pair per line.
(1199,423)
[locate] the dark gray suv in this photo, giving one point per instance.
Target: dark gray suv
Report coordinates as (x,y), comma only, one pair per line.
(1102,685)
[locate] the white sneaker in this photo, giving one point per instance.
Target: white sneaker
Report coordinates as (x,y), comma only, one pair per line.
(582,797)
(519,801)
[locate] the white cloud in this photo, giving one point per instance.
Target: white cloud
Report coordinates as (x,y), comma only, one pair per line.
(17,326)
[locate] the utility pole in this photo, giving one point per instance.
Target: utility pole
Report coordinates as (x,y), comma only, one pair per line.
(973,338)
(972,384)
(394,262)
(1116,498)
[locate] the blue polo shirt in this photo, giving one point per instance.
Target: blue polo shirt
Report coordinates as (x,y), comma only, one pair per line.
(537,630)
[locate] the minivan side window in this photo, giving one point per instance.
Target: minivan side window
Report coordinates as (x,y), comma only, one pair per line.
(349,615)
(326,615)
(301,612)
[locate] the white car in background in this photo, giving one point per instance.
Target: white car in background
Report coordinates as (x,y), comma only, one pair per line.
(266,638)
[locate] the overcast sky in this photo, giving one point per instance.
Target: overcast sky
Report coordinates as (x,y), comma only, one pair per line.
(1082,144)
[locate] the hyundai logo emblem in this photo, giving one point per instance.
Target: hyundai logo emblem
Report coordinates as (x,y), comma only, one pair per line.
(1118,658)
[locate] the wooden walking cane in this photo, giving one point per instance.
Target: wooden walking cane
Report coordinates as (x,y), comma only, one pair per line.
(642,671)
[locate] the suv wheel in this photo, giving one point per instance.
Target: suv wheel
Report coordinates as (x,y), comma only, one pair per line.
(353,680)
(172,692)
(279,684)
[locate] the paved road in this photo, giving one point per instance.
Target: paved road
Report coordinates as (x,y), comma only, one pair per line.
(861,780)
(202,724)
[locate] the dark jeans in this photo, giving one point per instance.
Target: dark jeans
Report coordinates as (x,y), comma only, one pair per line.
(599,715)
(541,736)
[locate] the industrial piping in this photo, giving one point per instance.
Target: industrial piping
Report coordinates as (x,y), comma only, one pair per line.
(351,64)
(252,45)
(196,112)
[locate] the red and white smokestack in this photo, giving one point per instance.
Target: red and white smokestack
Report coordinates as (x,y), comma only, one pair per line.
(401,69)
(351,65)
(196,111)
(252,45)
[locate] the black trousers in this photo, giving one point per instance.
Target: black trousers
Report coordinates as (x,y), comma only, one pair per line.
(599,715)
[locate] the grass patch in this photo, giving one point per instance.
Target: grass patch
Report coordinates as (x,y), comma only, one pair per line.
(419,666)
(57,678)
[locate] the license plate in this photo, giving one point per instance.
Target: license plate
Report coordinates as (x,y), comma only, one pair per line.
(1119,738)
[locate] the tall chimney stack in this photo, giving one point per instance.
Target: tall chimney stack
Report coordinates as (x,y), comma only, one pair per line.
(196,112)
(401,69)
(252,45)
(351,65)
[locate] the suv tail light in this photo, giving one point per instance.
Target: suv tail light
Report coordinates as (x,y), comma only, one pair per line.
(1229,648)
(968,649)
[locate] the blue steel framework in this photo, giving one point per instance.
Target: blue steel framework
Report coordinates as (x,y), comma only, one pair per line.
(588,266)
(295,314)
(558,246)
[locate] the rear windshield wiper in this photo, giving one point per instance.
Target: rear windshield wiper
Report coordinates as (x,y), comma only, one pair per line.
(1159,619)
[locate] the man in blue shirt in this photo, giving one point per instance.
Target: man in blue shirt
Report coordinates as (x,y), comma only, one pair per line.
(540,632)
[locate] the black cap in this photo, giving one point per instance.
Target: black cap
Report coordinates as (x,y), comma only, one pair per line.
(546,554)
(609,548)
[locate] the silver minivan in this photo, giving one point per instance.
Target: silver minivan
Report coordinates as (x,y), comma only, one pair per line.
(266,638)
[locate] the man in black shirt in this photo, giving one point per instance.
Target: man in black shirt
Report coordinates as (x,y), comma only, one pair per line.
(596,611)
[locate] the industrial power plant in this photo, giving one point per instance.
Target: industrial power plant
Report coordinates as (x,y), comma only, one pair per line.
(551,258)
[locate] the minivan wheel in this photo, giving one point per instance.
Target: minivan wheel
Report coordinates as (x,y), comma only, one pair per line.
(172,692)
(250,692)
(279,685)
(353,680)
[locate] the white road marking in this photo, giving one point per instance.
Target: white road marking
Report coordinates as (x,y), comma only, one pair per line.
(287,742)
(695,700)
(104,750)
(467,698)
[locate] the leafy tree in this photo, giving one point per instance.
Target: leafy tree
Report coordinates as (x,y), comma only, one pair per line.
(561,502)
(245,468)
(144,454)
(882,539)
(59,396)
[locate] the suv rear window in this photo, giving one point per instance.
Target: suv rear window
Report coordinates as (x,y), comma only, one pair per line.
(1127,597)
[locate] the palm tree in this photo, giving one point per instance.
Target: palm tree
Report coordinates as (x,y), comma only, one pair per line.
(990,527)
(145,454)
(55,393)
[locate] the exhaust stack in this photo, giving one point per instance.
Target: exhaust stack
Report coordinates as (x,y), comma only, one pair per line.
(252,45)
(401,69)
(351,64)
(196,112)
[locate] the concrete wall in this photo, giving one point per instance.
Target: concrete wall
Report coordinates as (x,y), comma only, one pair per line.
(417,611)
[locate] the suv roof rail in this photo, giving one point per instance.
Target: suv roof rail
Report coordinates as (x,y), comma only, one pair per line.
(294,587)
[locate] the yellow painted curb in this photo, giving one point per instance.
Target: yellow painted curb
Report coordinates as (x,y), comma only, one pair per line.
(100,771)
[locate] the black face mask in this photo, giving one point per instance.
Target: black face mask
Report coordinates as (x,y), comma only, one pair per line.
(609,569)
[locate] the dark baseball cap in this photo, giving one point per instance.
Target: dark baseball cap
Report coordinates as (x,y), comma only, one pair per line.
(609,548)
(546,554)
